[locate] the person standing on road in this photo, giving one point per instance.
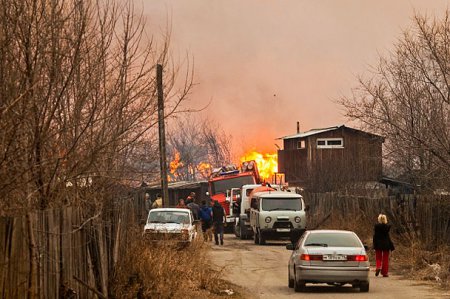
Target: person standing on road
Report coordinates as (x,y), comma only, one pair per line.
(218,214)
(195,208)
(205,215)
(383,245)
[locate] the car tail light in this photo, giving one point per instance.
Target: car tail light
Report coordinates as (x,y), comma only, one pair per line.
(357,258)
(311,257)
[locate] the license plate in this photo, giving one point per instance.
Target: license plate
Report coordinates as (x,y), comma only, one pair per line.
(283,230)
(334,257)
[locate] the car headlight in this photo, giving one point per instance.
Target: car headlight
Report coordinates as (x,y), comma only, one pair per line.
(297,219)
(268,219)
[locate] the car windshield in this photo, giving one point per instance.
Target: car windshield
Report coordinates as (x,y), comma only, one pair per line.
(332,240)
(221,186)
(168,217)
(286,204)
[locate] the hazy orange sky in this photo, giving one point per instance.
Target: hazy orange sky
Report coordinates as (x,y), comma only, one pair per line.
(267,64)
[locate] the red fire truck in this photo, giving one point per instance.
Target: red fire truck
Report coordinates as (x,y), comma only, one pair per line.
(224,179)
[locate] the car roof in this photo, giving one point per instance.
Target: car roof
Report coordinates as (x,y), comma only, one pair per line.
(337,231)
(170,210)
(277,194)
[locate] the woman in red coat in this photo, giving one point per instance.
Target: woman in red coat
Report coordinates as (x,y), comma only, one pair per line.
(383,245)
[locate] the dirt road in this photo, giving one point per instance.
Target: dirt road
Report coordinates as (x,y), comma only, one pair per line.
(262,270)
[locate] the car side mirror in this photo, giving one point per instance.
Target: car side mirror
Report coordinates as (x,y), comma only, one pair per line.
(306,208)
(290,246)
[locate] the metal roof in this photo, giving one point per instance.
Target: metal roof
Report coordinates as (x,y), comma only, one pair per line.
(178,185)
(322,130)
(311,132)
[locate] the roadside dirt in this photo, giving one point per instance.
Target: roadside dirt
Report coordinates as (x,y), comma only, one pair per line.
(262,273)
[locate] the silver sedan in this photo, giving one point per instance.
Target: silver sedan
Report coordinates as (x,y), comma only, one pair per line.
(335,257)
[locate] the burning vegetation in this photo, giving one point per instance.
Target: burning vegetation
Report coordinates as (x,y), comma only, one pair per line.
(267,164)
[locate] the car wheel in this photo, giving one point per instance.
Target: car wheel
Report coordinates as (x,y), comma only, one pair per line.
(364,286)
(299,285)
(290,280)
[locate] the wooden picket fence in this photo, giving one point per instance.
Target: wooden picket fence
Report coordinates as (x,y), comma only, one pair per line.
(424,218)
(76,250)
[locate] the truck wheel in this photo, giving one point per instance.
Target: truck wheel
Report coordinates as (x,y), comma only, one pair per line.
(261,239)
(237,232)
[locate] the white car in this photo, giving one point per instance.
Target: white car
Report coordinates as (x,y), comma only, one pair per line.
(170,224)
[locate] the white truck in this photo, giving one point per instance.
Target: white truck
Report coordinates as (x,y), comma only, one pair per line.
(242,228)
(277,215)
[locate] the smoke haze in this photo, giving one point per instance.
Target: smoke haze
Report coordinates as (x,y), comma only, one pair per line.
(268,64)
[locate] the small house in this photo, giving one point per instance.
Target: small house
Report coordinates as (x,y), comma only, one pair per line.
(326,159)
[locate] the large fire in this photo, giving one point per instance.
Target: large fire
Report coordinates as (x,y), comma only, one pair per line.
(267,163)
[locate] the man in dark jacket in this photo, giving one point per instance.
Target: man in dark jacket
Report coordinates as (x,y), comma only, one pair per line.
(218,221)
(195,208)
(383,245)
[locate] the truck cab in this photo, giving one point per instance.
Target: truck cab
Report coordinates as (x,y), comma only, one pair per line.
(242,228)
(277,215)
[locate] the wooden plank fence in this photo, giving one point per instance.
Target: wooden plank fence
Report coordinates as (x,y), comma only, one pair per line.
(77,248)
(424,218)
(76,251)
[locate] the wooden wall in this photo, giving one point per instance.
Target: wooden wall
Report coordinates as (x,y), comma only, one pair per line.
(325,169)
(76,250)
(413,217)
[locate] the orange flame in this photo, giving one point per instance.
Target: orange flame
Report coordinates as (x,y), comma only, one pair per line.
(175,163)
(267,163)
(204,169)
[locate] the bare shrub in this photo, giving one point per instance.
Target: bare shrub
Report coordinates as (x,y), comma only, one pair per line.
(417,262)
(164,270)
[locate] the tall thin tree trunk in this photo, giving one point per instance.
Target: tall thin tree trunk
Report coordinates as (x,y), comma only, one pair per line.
(32,274)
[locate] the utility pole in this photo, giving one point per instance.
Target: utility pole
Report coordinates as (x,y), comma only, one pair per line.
(162,136)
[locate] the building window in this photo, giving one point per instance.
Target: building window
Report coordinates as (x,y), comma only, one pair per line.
(301,144)
(330,143)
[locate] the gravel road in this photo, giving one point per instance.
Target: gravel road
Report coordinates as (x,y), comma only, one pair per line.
(262,270)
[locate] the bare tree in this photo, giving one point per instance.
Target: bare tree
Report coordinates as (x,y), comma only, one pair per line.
(77,100)
(195,147)
(408,101)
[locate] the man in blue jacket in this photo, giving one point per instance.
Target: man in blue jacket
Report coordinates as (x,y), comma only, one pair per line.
(205,216)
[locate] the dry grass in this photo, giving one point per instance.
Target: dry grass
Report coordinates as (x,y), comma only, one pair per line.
(417,262)
(165,270)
